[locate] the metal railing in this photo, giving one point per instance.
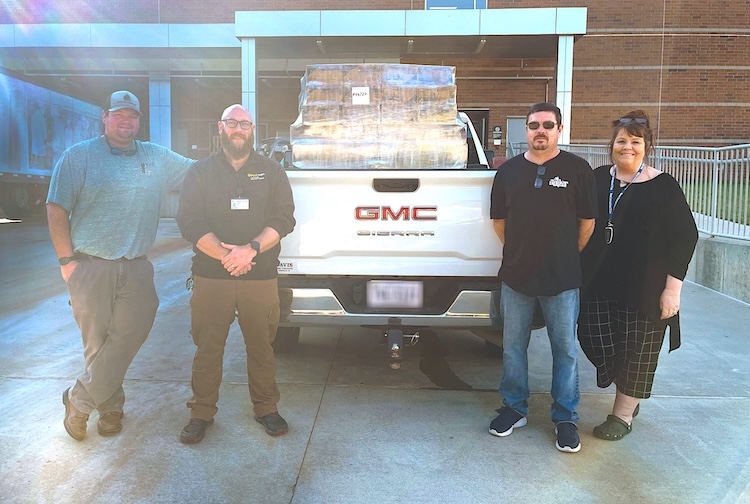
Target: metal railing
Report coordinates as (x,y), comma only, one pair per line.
(715,180)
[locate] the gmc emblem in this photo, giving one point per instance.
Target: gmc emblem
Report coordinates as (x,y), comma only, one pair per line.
(388,213)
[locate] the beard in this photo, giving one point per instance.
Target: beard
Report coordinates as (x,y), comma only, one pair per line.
(540,146)
(234,150)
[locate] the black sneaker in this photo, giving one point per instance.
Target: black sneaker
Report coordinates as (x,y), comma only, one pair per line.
(505,422)
(274,424)
(567,437)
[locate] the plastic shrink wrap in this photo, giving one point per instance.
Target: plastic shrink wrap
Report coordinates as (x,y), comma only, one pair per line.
(378,116)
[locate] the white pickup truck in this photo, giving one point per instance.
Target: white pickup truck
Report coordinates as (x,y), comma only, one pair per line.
(397,249)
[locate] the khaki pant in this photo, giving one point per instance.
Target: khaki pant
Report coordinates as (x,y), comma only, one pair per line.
(114,304)
(212,307)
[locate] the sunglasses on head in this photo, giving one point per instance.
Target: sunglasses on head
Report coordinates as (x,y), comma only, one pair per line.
(639,120)
(548,125)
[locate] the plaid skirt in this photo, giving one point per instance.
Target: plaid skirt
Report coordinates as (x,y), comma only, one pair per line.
(622,344)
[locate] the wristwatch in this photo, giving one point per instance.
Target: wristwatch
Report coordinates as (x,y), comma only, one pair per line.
(255,245)
(65,260)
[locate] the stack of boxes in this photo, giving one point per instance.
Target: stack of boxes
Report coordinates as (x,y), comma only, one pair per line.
(378,116)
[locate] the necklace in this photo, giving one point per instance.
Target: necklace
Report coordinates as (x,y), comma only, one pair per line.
(609,229)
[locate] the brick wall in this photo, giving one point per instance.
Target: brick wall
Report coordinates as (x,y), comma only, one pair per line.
(691,75)
(684,61)
(79,11)
(172,11)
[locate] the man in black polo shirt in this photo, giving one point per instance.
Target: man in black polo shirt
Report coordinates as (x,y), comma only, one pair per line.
(235,206)
(543,206)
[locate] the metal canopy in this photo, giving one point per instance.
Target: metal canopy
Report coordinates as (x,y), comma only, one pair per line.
(66,56)
(494,47)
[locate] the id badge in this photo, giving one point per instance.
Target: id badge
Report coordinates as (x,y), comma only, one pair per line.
(240,204)
(609,233)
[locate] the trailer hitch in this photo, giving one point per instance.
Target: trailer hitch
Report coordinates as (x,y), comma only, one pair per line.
(396,340)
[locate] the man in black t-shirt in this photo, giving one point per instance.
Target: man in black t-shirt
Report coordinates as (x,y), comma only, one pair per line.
(543,207)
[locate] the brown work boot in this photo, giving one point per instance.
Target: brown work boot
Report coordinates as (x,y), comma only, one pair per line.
(194,431)
(110,423)
(274,424)
(75,421)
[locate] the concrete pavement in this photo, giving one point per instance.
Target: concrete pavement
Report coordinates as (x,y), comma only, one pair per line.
(359,431)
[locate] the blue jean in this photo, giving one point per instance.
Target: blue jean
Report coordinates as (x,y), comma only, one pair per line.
(560,313)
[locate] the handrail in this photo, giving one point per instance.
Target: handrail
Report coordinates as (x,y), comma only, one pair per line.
(716,181)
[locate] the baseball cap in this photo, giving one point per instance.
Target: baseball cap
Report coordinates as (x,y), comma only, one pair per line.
(124,100)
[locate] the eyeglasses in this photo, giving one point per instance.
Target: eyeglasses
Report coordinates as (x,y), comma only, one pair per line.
(548,125)
(232,123)
(541,169)
(639,120)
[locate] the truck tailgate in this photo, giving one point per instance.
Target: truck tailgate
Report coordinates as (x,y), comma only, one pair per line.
(392,223)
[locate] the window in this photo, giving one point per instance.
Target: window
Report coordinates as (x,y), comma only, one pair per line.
(455,4)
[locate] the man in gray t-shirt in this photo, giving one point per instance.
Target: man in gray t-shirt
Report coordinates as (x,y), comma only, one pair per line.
(103,212)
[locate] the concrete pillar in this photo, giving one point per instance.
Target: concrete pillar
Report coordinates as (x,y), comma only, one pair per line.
(160,109)
(250,79)
(564,80)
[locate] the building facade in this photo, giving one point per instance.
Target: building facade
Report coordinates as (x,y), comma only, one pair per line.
(684,62)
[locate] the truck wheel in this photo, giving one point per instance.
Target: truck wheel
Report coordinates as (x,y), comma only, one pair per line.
(286,339)
(15,201)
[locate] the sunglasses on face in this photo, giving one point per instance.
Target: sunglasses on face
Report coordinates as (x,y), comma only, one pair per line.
(541,169)
(232,123)
(548,125)
(639,120)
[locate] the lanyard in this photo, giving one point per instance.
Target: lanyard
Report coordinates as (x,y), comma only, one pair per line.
(612,190)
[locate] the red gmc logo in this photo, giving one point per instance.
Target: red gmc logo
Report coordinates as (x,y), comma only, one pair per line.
(388,213)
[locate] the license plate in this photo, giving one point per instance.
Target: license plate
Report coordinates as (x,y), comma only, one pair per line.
(394,294)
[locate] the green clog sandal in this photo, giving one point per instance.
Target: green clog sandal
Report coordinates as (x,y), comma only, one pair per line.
(613,429)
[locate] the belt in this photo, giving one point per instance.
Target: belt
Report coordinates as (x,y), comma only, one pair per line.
(80,256)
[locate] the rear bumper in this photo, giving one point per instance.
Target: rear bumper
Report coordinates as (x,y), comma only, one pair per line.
(320,307)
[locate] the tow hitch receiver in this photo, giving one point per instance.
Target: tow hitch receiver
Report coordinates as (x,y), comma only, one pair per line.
(395,342)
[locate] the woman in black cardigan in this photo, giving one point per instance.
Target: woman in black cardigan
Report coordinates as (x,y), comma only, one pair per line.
(633,269)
